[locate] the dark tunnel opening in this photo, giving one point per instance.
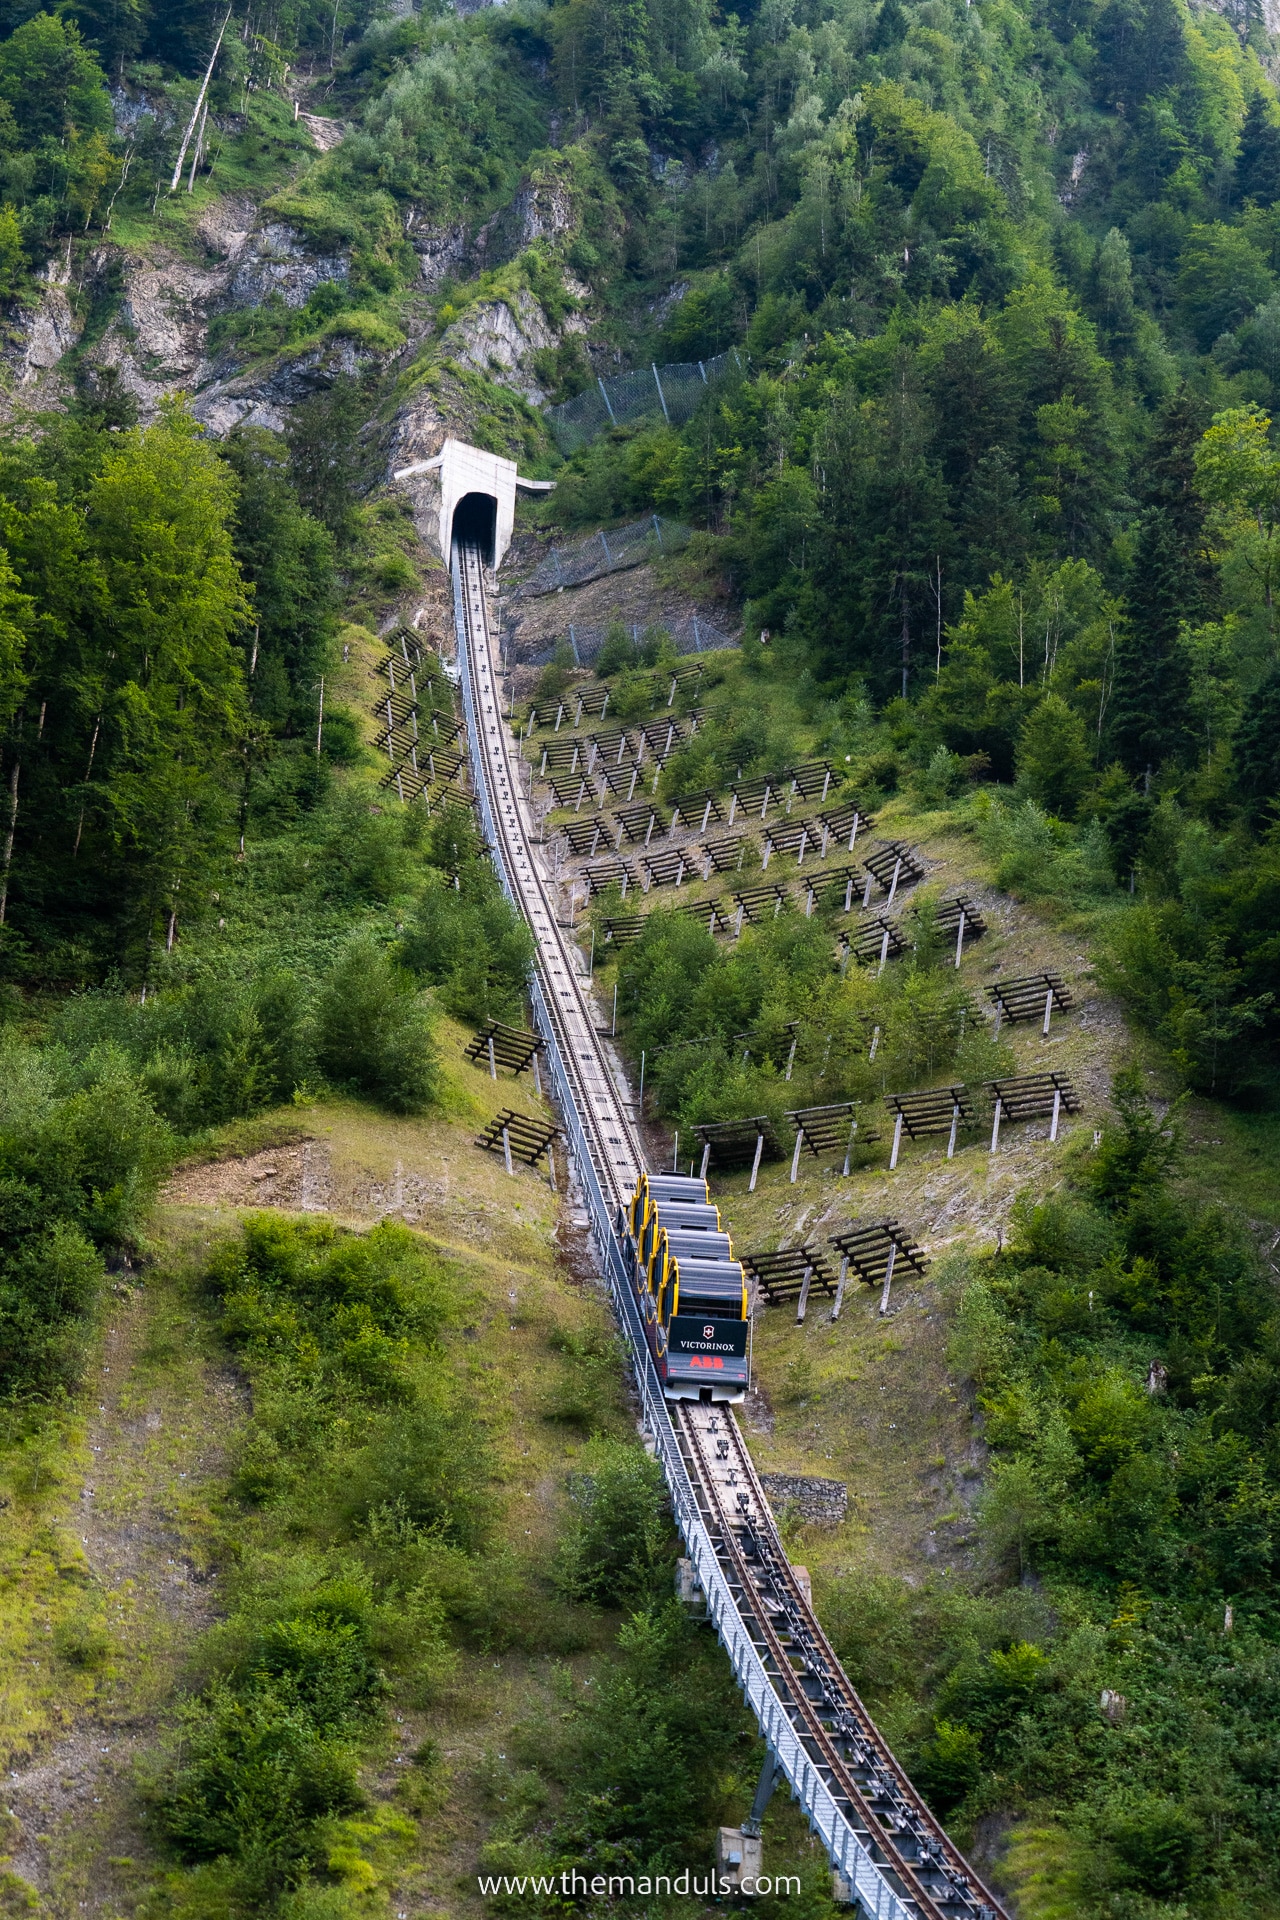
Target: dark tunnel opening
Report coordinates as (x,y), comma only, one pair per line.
(475,521)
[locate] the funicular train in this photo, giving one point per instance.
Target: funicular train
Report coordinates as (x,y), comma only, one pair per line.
(691,1290)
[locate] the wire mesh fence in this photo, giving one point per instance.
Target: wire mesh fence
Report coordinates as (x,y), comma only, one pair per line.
(672,393)
(602,552)
(695,634)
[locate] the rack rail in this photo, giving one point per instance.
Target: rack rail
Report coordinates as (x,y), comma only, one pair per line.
(894,1859)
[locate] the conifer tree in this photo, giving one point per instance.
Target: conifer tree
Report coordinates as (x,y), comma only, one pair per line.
(1257,748)
(1171,488)
(1258,158)
(1170,582)
(1149,693)
(891,27)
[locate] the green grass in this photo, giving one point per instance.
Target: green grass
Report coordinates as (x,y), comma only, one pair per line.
(270,151)
(1234,1155)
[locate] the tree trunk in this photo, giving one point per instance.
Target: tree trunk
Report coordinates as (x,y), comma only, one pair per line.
(8,843)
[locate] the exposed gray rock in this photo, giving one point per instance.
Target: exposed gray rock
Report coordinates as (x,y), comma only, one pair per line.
(49,331)
(543,212)
(226,226)
(259,400)
(327,134)
(804,1496)
(442,251)
(276,261)
(131,109)
(499,338)
(37,336)
(159,341)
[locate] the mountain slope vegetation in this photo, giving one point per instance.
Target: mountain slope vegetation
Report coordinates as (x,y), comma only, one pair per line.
(991,486)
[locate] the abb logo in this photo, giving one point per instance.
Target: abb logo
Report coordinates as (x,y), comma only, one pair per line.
(706,1360)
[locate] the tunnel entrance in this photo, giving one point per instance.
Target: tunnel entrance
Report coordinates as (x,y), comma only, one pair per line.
(475,520)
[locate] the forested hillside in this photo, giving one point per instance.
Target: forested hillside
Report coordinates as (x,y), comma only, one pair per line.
(989,487)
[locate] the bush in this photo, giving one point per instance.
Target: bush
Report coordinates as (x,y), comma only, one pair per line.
(256,1776)
(472,945)
(210,1052)
(1039,858)
(1158,1843)
(622,651)
(950,1766)
(353,1413)
(374,1032)
(617,1550)
(328,1323)
(79,1165)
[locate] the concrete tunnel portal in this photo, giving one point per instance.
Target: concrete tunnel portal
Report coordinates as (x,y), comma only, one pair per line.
(476,498)
(475,523)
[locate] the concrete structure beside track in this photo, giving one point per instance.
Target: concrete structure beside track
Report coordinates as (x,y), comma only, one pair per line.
(477,498)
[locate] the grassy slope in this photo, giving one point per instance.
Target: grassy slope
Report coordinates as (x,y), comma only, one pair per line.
(870,1401)
(105,1591)
(126,1600)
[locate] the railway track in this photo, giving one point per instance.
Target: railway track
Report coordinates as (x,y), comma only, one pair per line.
(895,1859)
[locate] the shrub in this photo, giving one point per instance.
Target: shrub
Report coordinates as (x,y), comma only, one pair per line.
(256,1776)
(338,1334)
(472,945)
(373,1031)
(210,1052)
(1158,1843)
(617,1548)
(1037,857)
(78,1168)
(48,1285)
(950,1765)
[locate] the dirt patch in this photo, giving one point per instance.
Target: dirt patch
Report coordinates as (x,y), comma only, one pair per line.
(298,1177)
(155,1449)
(638,596)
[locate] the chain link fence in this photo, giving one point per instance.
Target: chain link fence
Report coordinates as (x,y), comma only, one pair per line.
(601,553)
(672,393)
(695,634)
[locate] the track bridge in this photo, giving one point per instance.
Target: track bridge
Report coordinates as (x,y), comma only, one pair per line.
(893,1856)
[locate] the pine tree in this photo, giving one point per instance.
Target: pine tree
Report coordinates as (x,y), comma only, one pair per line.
(1258,158)
(1055,765)
(1257,748)
(1149,694)
(1172,582)
(116,28)
(1113,301)
(891,27)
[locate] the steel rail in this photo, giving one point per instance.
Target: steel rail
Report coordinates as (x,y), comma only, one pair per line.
(823,1707)
(605,1146)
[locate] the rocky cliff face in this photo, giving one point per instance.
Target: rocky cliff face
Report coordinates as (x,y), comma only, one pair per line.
(157,340)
